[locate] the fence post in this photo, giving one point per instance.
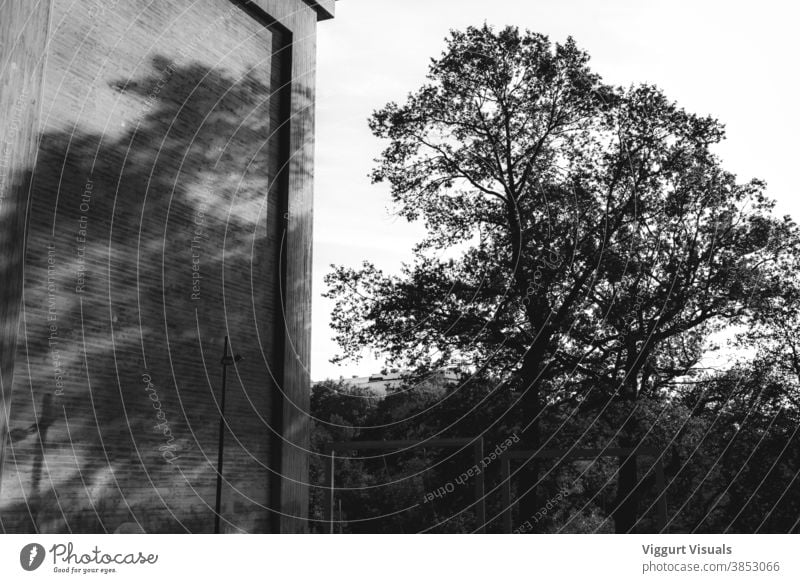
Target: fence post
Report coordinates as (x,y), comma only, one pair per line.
(480,489)
(662,496)
(505,487)
(327,482)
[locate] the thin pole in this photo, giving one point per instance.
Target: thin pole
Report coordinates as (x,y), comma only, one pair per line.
(333,456)
(218,505)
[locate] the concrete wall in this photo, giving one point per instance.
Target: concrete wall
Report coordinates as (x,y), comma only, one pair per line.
(170,206)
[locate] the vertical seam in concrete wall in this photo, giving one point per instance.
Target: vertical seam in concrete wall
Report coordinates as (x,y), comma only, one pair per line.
(282,57)
(295,487)
(285,136)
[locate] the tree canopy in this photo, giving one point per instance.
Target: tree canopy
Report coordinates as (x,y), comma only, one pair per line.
(583,240)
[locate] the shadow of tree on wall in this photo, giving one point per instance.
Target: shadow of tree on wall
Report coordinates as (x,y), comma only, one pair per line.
(146,245)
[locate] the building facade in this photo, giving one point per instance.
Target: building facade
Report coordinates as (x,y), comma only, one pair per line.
(157,170)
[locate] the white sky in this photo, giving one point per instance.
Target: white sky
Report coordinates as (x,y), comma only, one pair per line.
(737,61)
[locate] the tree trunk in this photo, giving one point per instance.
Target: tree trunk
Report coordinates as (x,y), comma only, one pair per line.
(529,503)
(627,504)
(530,439)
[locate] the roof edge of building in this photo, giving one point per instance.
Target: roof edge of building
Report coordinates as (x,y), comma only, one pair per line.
(325,9)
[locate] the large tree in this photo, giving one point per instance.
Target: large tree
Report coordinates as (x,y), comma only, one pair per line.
(582,239)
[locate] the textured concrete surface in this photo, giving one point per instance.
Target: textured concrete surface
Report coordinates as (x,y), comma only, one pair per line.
(170,206)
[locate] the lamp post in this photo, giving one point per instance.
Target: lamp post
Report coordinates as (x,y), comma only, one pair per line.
(226,361)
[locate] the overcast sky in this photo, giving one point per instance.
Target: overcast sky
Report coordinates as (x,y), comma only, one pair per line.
(734,60)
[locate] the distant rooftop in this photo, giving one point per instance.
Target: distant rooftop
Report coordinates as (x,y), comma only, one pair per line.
(383,382)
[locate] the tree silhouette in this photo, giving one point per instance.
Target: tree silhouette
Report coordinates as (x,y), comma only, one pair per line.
(583,240)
